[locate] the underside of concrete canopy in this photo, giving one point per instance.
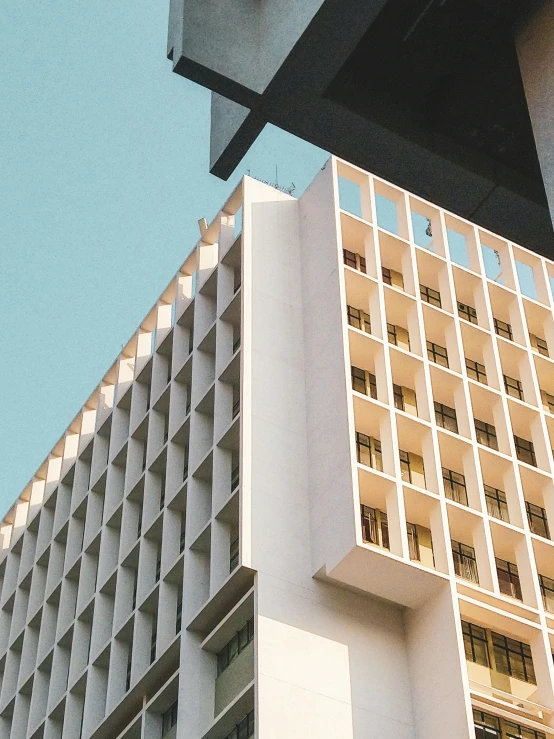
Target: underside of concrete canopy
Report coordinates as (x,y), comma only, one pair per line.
(451,99)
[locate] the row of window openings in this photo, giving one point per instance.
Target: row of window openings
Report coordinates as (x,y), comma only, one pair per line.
(433,297)
(375,530)
(488,726)
(498,652)
(244,729)
(438,354)
(369,453)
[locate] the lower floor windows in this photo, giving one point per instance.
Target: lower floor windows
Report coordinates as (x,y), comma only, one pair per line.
(169,718)
(498,652)
(364,382)
(413,542)
(244,729)
(497,505)
(235,646)
(488,726)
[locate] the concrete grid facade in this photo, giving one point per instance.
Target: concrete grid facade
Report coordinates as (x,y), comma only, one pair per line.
(312,497)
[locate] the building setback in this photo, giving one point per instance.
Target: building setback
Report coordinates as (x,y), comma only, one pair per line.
(311,498)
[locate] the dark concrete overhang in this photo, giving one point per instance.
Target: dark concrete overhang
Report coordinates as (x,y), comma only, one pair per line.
(425,93)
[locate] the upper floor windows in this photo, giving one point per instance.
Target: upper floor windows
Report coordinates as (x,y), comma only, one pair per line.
(508,579)
(467,312)
(486,434)
(538,522)
(465,563)
(437,354)
(354,260)
(497,505)
(454,486)
(476,371)
(503,329)
(446,417)
(539,345)
(525,451)
(513,387)
(364,382)
(428,295)
(368,451)
(358,319)
(488,726)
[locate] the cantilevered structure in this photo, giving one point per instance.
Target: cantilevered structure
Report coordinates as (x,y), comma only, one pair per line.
(451,99)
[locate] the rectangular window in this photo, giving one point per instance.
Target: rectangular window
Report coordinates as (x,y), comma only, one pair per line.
(179,612)
(375,527)
(368,453)
(162,490)
(169,718)
(503,329)
(486,434)
(182,534)
(235,646)
(358,319)
(515,731)
(354,260)
(465,563)
(235,476)
(364,382)
(233,554)
(475,644)
(508,578)
(387,278)
(525,451)
(349,258)
(391,334)
(244,729)
(467,312)
(398,397)
(454,486)
(476,371)
(497,505)
(153,642)
(513,387)
(446,417)
(158,563)
(513,658)
(486,725)
(413,541)
(538,523)
(405,470)
(358,380)
(428,295)
(547,592)
(539,345)
(548,401)
(437,354)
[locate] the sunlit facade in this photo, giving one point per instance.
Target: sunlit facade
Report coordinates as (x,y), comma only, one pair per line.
(312,497)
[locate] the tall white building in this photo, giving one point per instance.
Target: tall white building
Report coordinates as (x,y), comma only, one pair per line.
(311,498)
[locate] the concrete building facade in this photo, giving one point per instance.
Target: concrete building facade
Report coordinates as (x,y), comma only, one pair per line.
(311,498)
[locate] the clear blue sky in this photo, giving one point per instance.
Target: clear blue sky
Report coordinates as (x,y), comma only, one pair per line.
(104,174)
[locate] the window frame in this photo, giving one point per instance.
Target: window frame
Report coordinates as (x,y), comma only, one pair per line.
(432,354)
(537,512)
(518,649)
(525,447)
(488,432)
(472,635)
(465,560)
(479,369)
(450,485)
(503,329)
(430,296)
(511,571)
(467,315)
(446,417)
(513,387)
(496,495)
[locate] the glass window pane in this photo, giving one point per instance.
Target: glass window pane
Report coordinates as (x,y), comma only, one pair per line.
(387,216)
